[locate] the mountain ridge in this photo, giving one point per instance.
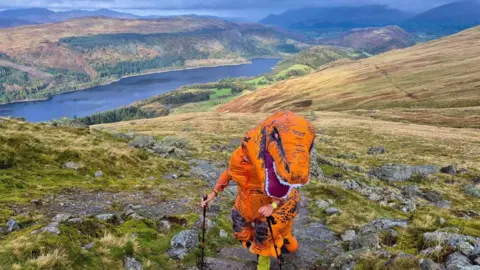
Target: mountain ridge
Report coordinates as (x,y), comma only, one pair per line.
(440,74)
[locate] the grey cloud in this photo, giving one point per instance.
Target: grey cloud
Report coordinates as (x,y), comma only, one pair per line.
(214,4)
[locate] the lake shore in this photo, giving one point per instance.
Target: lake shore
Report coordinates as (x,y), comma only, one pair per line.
(150,72)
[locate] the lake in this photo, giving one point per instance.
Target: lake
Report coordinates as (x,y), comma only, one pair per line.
(128,90)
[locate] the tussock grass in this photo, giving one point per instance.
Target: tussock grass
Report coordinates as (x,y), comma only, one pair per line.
(50,259)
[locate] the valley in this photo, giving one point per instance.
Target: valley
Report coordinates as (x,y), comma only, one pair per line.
(83,53)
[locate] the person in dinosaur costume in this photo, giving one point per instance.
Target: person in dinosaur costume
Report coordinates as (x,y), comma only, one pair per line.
(271,163)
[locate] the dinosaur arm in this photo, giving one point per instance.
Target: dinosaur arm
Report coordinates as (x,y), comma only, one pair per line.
(223,181)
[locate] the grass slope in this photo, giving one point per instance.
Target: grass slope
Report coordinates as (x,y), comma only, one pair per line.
(32,155)
(438,74)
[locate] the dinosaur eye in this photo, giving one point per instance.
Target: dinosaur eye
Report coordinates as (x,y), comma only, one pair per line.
(275,134)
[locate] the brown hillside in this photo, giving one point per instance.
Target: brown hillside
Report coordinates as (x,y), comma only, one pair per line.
(20,38)
(442,73)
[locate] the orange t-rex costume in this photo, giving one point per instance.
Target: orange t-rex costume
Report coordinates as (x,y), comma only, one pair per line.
(273,160)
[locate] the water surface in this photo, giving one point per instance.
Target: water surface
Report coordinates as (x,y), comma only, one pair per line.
(128,90)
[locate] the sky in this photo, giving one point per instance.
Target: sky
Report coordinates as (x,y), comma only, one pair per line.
(226,8)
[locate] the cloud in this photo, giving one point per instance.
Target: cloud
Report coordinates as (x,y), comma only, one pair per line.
(213,4)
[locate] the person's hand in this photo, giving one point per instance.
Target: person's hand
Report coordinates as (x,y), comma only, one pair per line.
(266,210)
(210,198)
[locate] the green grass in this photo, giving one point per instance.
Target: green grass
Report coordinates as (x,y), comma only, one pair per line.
(220,93)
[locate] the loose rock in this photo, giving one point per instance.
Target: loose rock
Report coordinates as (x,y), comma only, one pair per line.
(456,261)
(208,223)
(365,241)
(132,264)
(62,217)
(142,141)
(400,172)
(88,246)
(450,169)
(182,243)
(322,204)
(223,234)
(378,150)
(70,165)
(105,217)
(349,235)
(428,264)
(465,248)
(332,211)
(12,225)
(51,228)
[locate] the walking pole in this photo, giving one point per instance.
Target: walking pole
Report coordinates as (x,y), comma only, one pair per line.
(270,221)
(203,231)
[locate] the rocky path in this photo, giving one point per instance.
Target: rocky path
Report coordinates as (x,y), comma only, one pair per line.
(316,241)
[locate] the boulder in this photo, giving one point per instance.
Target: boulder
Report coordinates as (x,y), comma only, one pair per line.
(206,170)
(369,241)
(346,258)
(465,248)
(380,225)
(317,242)
(61,217)
(70,165)
(432,196)
(411,191)
(182,243)
(377,150)
(105,217)
(142,141)
(216,263)
(164,225)
(457,261)
(348,235)
(223,234)
(446,238)
(442,220)
(51,228)
(89,246)
(132,264)
(444,204)
(400,172)
(375,197)
(12,225)
(450,169)
(332,211)
(322,204)
(75,220)
(136,216)
(208,224)
(471,190)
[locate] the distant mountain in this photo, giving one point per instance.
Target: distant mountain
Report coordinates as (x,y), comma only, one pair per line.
(338,17)
(32,15)
(43,15)
(446,19)
(17,17)
(12,22)
(373,39)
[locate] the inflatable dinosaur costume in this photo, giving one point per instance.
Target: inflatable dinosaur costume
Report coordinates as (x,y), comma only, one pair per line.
(273,160)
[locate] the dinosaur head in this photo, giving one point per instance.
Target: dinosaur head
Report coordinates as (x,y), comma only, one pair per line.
(279,148)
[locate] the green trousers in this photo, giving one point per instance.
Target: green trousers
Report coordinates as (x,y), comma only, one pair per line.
(263,263)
